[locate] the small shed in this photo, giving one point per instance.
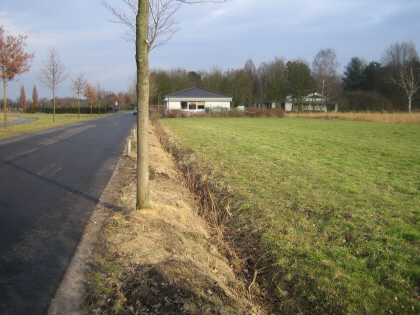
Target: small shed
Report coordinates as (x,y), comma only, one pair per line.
(197,99)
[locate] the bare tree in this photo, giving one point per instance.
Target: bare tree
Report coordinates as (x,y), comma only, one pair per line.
(142,89)
(262,82)
(324,71)
(250,71)
(277,82)
(300,80)
(99,97)
(52,72)
(161,20)
(132,80)
(78,86)
(403,62)
(212,79)
(13,61)
(152,22)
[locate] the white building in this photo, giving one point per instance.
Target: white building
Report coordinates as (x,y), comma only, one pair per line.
(311,102)
(197,99)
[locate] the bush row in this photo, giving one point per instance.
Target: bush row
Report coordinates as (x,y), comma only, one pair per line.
(250,112)
(32,110)
(73,110)
(365,101)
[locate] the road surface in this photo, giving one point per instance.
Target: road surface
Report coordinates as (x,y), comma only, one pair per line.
(50,182)
(19,121)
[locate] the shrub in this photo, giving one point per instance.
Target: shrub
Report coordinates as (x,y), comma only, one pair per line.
(229,113)
(73,110)
(260,112)
(177,113)
(365,101)
(251,112)
(32,110)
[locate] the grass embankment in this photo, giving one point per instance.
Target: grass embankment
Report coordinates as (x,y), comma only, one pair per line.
(44,121)
(160,260)
(334,203)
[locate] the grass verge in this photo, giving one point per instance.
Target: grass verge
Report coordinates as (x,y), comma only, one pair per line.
(326,210)
(162,260)
(44,121)
(8,118)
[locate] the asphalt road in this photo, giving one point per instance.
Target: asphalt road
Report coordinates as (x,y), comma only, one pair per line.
(19,121)
(50,182)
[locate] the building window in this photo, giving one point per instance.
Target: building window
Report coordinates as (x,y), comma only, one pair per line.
(192,105)
(200,105)
(184,105)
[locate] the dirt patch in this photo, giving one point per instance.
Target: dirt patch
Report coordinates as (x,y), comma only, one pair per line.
(163,260)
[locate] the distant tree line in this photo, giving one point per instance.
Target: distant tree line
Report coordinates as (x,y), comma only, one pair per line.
(390,85)
(104,98)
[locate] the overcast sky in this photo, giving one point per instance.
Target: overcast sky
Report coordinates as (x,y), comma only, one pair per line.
(224,35)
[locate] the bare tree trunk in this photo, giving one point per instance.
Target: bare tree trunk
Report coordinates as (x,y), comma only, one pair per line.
(142,87)
(409,103)
(4,104)
(53,104)
(78,106)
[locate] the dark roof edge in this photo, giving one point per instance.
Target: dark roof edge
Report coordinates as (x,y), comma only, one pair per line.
(199,87)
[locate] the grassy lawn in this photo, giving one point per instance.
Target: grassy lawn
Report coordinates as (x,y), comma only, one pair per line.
(44,121)
(335,202)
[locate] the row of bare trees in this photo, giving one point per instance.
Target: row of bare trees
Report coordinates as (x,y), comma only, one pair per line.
(104,99)
(14,61)
(53,72)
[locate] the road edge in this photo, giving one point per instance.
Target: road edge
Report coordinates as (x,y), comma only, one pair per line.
(69,295)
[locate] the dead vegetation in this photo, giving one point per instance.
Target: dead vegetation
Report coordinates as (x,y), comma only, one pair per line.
(168,259)
(378,117)
(234,113)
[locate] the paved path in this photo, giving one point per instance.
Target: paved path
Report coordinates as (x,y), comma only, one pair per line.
(19,121)
(50,182)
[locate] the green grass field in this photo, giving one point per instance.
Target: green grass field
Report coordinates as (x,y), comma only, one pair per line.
(336,203)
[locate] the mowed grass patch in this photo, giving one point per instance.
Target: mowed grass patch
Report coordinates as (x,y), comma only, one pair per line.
(335,203)
(44,121)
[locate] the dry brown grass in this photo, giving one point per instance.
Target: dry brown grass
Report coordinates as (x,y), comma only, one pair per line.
(389,118)
(168,243)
